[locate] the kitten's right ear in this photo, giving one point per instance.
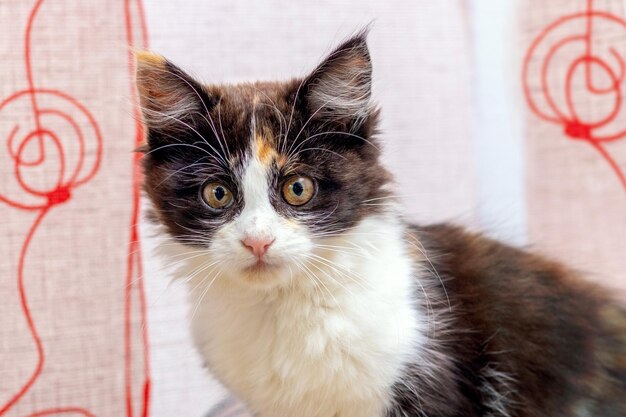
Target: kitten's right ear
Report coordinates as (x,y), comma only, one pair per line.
(340,88)
(171,100)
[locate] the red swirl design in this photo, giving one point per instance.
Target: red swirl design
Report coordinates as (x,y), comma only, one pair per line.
(40,149)
(557,96)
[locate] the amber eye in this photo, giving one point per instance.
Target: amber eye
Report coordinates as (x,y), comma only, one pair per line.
(298,190)
(217,196)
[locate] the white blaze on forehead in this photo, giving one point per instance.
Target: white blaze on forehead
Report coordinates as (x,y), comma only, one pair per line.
(258,213)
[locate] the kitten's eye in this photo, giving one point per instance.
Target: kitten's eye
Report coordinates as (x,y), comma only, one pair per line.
(217,196)
(298,190)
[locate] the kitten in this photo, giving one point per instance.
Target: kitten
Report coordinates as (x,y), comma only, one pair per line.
(312,298)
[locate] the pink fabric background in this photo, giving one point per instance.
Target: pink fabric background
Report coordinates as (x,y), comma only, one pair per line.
(75,280)
(576,202)
(75,274)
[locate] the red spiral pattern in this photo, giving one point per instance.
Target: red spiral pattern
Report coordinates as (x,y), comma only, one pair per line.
(47,145)
(559,102)
(37,150)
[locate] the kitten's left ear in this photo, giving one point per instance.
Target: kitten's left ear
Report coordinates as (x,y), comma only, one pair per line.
(340,88)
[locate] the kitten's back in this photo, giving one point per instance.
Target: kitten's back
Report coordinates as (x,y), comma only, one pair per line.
(526,335)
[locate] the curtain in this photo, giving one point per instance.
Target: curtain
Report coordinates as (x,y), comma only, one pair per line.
(503,116)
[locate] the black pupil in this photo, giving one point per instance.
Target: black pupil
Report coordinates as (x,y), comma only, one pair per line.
(297,188)
(219,193)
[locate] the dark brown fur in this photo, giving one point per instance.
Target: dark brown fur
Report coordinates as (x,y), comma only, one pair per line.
(560,342)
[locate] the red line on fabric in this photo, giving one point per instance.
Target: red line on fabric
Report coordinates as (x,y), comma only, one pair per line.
(134,247)
(60,193)
(62,410)
(573,126)
(29,71)
(27,314)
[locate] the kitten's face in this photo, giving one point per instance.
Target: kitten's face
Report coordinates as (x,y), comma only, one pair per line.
(257,177)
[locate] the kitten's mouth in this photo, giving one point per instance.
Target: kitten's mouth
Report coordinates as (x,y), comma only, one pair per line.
(260,266)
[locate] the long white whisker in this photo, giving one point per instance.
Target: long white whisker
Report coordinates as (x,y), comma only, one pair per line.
(293,107)
(216,152)
(434,270)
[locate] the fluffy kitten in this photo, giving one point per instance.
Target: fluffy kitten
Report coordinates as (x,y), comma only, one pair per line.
(312,298)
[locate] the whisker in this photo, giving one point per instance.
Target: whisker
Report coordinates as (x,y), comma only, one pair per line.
(217,155)
(293,107)
(434,270)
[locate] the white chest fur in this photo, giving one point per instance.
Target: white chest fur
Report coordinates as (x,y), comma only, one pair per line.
(330,348)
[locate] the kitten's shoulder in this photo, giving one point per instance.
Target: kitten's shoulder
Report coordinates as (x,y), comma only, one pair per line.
(475,259)
(503,284)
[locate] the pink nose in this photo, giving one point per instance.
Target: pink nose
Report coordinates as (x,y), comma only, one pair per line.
(258,246)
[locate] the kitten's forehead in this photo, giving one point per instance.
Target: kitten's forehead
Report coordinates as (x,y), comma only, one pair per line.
(260,95)
(264,144)
(254,116)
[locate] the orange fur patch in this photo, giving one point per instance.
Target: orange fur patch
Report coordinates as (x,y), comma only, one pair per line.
(281,160)
(149,59)
(265,147)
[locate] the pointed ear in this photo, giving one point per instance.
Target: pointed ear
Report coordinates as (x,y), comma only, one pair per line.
(340,88)
(171,100)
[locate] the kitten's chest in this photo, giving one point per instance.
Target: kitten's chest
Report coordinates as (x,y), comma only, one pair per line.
(296,357)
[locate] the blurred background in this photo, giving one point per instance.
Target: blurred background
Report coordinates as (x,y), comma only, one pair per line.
(504,116)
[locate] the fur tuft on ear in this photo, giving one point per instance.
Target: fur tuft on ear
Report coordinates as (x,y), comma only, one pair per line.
(170,98)
(340,88)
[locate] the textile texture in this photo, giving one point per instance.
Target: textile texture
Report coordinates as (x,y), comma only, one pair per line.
(90,324)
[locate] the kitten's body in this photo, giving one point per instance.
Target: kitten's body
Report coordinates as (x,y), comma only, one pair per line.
(331,306)
(323,349)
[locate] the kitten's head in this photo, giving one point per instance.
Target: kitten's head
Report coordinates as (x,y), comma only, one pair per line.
(260,175)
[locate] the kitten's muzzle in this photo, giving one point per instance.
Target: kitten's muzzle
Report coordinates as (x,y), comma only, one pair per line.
(257,245)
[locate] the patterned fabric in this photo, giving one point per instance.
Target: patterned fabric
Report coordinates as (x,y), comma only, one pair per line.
(71,333)
(83,334)
(573,80)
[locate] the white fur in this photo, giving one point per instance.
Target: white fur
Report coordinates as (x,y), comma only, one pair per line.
(497,389)
(309,337)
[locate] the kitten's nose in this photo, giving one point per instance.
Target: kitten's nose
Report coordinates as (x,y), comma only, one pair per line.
(257,245)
